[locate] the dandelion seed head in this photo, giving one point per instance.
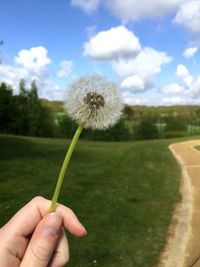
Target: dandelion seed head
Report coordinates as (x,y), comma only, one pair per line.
(94,102)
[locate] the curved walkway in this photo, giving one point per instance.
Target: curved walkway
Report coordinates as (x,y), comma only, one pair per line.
(183,246)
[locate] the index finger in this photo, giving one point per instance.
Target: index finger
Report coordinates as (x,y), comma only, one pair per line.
(24,222)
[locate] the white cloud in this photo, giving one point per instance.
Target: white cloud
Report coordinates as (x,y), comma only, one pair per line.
(86,5)
(136,67)
(65,69)
(195,88)
(182,71)
(190,52)
(187,81)
(35,58)
(112,44)
(187,91)
(13,74)
(135,10)
(133,83)
(138,75)
(146,65)
(159,99)
(176,100)
(184,75)
(173,88)
(132,10)
(186,12)
(180,100)
(154,100)
(130,99)
(188,16)
(31,65)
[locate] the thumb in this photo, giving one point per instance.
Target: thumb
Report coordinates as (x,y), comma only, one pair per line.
(43,241)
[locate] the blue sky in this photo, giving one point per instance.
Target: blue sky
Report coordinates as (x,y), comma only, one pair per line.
(149,48)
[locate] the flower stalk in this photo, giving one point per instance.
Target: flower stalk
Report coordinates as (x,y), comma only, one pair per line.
(64,168)
(95,103)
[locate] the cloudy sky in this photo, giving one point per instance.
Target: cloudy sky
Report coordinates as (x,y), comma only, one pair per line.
(150,48)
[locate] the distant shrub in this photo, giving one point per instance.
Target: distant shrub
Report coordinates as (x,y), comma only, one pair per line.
(65,127)
(173,134)
(175,127)
(175,124)
(119,132)
(193,129)
(146,129)
(24,114)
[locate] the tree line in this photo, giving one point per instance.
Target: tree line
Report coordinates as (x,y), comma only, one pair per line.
(26,114)
(141,124)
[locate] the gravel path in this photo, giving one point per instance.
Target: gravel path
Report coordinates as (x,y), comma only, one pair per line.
(183,245)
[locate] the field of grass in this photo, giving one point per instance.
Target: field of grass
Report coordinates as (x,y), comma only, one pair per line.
(124,194)
(197,147)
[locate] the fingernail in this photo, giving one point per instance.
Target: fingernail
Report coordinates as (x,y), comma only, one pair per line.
(84,232)
(52,225)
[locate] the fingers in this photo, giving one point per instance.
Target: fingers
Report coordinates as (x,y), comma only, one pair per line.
(70,221)
(25,221)
(61,253)
(43,242)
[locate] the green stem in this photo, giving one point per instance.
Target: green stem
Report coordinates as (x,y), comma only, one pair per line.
(64,168)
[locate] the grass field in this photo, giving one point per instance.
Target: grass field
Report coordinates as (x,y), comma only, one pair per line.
(124,194)
(197,147)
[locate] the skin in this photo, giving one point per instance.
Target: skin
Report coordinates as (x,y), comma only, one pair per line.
(35,238)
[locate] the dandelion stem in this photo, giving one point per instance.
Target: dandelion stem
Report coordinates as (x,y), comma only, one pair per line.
(64,168)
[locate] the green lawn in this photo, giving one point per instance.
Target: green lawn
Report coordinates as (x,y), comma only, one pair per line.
(124,194)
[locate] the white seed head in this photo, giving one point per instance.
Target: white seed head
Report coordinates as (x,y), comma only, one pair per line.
(94,102)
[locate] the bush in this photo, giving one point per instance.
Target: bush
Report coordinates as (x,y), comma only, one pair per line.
(173,134)
(119,132)
(175,127)
(24,114)
(66,127)
(146,129)
(175,124)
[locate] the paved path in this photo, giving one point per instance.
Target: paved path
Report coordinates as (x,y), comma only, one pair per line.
(184,244)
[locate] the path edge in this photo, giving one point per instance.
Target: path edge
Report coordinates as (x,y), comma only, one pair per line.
(175,251)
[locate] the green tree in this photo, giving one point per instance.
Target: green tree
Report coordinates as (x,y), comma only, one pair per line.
(46,122)
(128,112)
(146,129)
(119,132)
(176,126)
(23,92)
(66,127)
(6,107)
(24,113)
(175,123)
(34,108)
(21,104)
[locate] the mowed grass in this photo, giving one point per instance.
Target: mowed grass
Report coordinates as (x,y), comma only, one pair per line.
(124,194)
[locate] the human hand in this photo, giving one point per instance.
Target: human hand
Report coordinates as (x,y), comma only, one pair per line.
(34,238)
